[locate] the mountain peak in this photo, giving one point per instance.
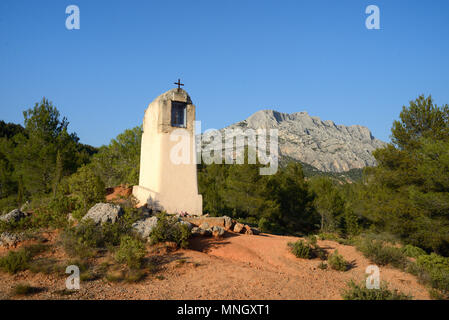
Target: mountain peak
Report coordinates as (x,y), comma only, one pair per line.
(266,119)
(320,143)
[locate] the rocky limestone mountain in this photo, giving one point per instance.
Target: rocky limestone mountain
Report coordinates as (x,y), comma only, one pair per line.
(321,144)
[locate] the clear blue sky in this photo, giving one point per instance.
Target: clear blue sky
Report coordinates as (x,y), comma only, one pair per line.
(235,57)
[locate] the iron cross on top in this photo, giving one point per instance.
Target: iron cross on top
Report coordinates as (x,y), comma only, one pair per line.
(179,83)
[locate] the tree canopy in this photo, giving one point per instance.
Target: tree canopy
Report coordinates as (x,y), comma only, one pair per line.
(34,158)
(408,192)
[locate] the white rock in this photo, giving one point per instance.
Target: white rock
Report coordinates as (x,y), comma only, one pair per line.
(104,212)
(8,239)
(145,226)
(218,231)
(14,215)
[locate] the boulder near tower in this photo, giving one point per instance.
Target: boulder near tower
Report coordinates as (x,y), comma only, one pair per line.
(164,182)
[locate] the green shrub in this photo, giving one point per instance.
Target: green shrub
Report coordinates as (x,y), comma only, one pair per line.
(8,204)
(87,189)
(35,249)
(308,249)
(112,233)
(81,241)
(119,161)
(436,294)
(15,261)
(45,218)
(329,236)
(312,240)
(301,249)
(351,224)
(50,211)
(169,229)
(131,214)
(433,262)
(132,252)
(382,254)
(337,262)
(25,289)
(351,241)
(433,270)
(59,207)
(361,292)
(264,225)
(87,237)
(45,266)
(384,237)
(317,251)
(322,265)
(251,221)
(412,251)
(61,204)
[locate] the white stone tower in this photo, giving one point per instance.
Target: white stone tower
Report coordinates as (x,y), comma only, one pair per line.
(164,183)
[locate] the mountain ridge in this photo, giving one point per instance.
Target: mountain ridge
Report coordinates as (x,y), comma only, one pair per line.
(322,144)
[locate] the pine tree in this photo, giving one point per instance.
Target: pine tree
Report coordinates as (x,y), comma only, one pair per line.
(36,151)
(407,194)
(58,173)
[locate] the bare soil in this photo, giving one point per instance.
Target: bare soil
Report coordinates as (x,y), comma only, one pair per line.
(118,194)
(235,267)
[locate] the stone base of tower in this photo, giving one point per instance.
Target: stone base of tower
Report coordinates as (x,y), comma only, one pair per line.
(171,204)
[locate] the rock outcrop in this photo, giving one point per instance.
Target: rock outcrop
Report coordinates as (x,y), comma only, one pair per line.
(322,144)
(218,231)
(197,231)
(145,226)
(13,216)
(8,239)
(224,222)
(238,227)
(104,212)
